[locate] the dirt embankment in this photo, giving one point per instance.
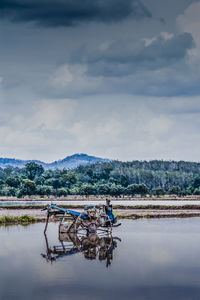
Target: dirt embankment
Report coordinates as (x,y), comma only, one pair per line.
(136,212)
(98,198)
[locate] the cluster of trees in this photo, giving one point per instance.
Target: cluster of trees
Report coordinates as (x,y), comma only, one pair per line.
(111,178)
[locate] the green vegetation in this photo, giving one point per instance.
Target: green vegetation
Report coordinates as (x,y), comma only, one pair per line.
(111,178)
(13,220)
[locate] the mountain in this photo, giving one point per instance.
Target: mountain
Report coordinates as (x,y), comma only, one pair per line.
(73,161)
(69,162)
(12,162)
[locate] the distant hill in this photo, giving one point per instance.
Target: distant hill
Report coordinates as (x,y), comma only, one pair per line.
(73,161)
(69,162)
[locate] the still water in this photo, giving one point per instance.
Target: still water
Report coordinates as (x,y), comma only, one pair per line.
(147,259)
(114,202)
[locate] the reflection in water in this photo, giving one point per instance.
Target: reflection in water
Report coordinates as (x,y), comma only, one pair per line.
(91,245)
(87,232)
(157,259)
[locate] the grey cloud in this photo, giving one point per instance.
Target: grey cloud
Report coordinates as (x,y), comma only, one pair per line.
(159,68)
(119,60)
(110,81)
(123,127)
(72,12)
(157,74)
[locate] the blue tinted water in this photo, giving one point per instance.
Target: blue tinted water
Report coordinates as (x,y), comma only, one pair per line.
(156,259)
(114,202)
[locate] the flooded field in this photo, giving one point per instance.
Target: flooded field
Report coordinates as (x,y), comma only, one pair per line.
(114,202)
(143,259)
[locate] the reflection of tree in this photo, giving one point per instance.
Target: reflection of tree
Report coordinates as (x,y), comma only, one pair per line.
(92,246)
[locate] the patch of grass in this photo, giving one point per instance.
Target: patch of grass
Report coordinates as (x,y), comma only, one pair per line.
(122,215)
(13,220)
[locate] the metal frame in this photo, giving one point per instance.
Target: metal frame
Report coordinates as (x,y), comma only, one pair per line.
(103,222)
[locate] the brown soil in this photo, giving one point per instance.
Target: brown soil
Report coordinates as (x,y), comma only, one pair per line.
(97,198)
(121,213)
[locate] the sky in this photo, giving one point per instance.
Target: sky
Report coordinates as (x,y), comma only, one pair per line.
(118,79)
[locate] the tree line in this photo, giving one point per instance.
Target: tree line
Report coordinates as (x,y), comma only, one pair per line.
(113,178)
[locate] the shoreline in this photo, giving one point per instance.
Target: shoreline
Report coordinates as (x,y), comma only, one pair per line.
(13,213)
(102,198)
(137,212)
(115,207)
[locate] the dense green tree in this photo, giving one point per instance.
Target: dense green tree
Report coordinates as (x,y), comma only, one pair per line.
(62,192)
(39,180)
(8,171)
(174,190)
(196,182)
(75,190)
(33,170)
(13,181)
(69,179)
(56,183)
(159,191)
(111,178)
(28,187)
(7,191)
(132,189)
(103,189)
(116,190)
(88,189)
(196,191)
(143,189)
(44,190)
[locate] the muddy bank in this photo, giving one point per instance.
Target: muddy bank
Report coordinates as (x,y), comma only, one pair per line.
(116,207)
(121,213)
(154,215)
(99,198)
(36,213)
(10,220)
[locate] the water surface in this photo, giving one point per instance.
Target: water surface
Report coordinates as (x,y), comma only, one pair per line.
(156,259)
(114,202)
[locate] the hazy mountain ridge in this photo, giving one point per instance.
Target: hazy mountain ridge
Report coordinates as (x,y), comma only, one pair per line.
(69,162)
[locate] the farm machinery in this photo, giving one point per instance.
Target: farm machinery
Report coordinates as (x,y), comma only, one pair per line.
(88,232)
(93,218)
(91,245)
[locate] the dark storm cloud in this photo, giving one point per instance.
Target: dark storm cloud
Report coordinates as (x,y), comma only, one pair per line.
(72,12)
(116,60)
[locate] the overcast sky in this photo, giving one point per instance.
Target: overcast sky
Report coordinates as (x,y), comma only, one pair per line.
(112,78)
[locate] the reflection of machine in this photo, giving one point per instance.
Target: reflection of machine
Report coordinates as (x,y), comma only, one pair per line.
(92,245)
(92,219)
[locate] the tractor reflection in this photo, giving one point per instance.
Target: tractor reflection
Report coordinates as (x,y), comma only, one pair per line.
(98,245)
